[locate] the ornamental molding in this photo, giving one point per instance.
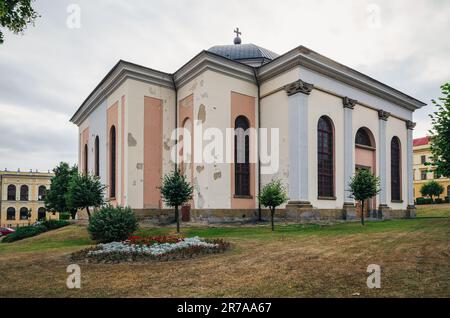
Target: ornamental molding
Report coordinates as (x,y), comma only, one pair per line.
(349,103)
(383,115)
(298,87)
(410,125)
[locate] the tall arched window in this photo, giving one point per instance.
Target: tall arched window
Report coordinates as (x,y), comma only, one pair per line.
(395,169)
(24,214)
(42,191)
(85,169)
(11,214)
(11,192)
(41,214)
(97,157)
(242,156)
(112,158)
(325,157)
(24,193)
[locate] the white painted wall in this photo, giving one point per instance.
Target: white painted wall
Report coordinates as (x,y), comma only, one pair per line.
(97,127)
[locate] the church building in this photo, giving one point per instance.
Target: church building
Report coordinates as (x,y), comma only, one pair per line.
(316,122)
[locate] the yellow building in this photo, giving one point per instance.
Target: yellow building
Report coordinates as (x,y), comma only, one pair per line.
(423,173)
(22,197)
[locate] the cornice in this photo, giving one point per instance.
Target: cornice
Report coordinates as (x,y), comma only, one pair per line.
(298,87)
(302,56)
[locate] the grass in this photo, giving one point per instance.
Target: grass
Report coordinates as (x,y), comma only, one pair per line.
(295,261)
(434,210)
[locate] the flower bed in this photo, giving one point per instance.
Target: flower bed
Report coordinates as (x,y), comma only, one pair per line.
(151,249)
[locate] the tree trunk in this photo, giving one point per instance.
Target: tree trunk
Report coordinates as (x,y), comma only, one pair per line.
(177,218)
(88,212)
(362,212)
(272,213)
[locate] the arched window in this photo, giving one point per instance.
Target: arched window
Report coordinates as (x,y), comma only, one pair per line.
(42,191)
(325,157)
(85,169)
(97,157)
(242,157)
(41,214)
(112,154)
(24,193)
(395,169)
(11,192)
(24,214)
(363,138)
(11,214)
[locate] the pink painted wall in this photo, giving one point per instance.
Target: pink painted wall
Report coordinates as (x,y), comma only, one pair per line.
(153,145)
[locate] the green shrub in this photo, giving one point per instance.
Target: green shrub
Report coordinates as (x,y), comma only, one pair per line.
(54,224)
(447,199)
(438,201)
(112,224)
(64,216)
(24,232)
(421,201)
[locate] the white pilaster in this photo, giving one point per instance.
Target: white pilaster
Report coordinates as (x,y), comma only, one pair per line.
(410,127)
(382,153)
(349,165)
(298,141)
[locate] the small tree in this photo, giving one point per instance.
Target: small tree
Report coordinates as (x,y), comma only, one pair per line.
(86,191)
(272,196)
(431,189)
(176,191)
(440,140)
(363,186)
(56,197)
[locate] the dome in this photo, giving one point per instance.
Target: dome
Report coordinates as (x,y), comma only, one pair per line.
(246,53)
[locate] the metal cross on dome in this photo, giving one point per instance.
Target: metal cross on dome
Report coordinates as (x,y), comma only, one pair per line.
(237,32)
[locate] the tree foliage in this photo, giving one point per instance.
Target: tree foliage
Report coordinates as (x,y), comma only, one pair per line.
(176,191)
(15,15)
(85,191)
(363,186)
(440,140)
(272,196)
(431,189)
(56,197)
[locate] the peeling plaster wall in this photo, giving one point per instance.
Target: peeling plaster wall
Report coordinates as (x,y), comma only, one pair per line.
(98,128)
(212,106)
(135,136)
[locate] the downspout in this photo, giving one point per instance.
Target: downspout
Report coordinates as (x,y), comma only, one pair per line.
(176,121)
(259,140)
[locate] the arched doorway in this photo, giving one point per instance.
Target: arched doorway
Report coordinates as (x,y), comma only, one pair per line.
(41,214)
(365,158)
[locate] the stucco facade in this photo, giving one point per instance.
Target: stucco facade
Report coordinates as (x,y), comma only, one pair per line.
(287,95)
(22,193)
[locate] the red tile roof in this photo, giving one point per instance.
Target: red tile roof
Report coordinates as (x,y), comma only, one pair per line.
(421,141)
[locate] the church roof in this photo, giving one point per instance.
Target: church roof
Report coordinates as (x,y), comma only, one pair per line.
(239,52)
(421,141)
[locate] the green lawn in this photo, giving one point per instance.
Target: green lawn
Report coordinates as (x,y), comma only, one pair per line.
(296,261)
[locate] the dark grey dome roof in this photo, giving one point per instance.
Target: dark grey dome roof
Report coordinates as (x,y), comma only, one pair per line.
(243,52)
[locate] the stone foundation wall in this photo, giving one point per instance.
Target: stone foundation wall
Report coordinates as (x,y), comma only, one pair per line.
(166,216)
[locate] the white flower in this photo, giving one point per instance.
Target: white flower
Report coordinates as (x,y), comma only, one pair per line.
(154,250)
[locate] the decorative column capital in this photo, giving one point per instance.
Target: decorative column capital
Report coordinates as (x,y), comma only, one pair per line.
(410,125)
(349,103)
(298,87)
(383,115)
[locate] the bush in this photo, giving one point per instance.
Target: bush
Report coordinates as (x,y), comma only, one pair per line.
(438,201)
(24,232)
(112,224)
(54,224)
(421,201)
(64,216)
(447,199)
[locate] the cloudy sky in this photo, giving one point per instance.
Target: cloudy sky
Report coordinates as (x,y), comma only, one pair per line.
(46,73)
